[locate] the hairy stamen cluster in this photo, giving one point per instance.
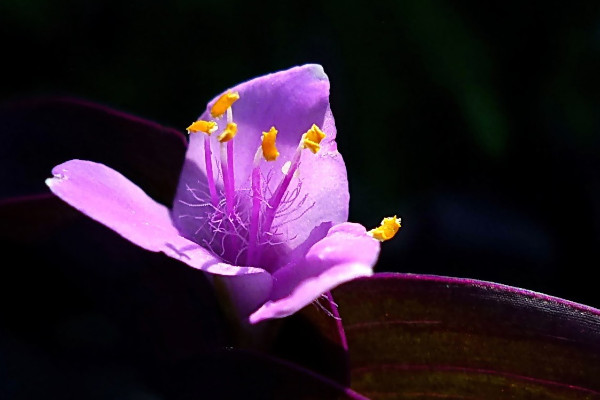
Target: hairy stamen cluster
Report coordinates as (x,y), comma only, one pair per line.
(237,225)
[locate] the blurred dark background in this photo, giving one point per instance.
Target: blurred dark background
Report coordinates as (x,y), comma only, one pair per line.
(476,123)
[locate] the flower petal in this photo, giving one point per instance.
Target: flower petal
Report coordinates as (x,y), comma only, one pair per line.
(346,253)
(292,101)
(243,294)
(111,199)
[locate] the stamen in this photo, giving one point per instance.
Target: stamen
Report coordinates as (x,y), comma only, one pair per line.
(269,150)
(254,217)
(230,170)
(207,127)
(229,115)
(257,199)
(223,103)
(236,233)
(312,138)
(387,230)
(209,172)
(227,169)
(275,199)
(229,132)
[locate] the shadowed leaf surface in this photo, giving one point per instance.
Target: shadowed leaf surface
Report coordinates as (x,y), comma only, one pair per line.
(86,314)
(40,133)
(314,337)
(426,337)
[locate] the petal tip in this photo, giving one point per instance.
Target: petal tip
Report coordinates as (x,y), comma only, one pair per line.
(264,313)
(50,182)
(56,179)
(59,174)
(317,71)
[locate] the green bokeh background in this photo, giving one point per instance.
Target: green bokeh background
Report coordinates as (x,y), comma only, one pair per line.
(477,123)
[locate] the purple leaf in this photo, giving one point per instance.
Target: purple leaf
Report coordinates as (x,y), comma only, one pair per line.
(42,132)
(96,310)
(314,337)
(262,377)
(413,336)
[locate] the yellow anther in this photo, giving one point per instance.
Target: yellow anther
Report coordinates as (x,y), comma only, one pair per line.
(269,150)
(223,103)
(312,138)
(229,133)
(388,228)
(207,127)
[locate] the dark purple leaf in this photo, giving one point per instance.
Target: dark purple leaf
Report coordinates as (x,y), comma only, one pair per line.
(412,336)
(250,375)
(79,305)
(38,134)
(59,263)
(314,337)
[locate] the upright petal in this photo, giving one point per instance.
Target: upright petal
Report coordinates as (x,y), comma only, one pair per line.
(292,101)
(346,253)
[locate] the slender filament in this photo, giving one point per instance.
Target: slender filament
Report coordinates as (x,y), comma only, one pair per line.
(275,200)
(209,171)
(254,217)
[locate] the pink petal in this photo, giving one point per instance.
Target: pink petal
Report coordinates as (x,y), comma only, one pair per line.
(111,199)
(346,253)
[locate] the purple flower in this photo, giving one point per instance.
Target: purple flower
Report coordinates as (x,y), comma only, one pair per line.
(262,201)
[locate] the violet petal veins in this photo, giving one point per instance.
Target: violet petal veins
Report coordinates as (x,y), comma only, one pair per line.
(262,198)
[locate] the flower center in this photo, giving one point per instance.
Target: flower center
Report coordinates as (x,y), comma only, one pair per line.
(238,225)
